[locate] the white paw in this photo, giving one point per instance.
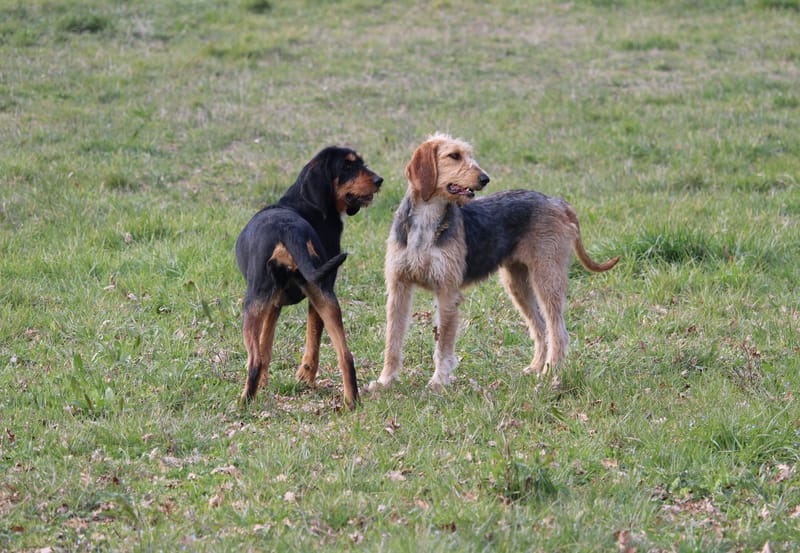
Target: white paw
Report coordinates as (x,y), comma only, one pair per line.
(379,385)
(537,370)
(439,380)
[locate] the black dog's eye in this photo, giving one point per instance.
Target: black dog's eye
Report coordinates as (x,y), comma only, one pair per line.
(456,156)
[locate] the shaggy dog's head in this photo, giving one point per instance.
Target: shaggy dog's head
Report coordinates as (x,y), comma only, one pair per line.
(442,166)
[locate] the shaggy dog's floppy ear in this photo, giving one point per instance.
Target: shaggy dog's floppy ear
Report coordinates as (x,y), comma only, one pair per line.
(422,170)
(316,186)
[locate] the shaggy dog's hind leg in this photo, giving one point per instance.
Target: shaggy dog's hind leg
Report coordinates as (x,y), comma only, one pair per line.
(516,280)
(552,297)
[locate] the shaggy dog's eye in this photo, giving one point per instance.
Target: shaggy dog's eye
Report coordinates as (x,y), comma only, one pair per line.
(456,156)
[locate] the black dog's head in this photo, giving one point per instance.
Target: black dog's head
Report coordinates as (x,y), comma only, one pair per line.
(339,177)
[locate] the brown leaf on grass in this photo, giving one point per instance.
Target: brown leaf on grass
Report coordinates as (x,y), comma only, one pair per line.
(230,470)
(8,496)
(785,472)
(660,492)
(548,522)
(216,500)
(423,316)
(220,357)
(508,423)
(610,463)
(396,518)
(168,507)
(77,523)
(624,542)
(693,507)
(795,513)
(391,425)
(171,461)
(396,476)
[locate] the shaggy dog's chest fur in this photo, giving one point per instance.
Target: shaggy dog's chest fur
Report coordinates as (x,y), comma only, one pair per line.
(421,243)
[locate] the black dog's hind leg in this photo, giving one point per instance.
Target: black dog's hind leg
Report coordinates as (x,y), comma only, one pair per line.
(327,306)
(307,372)
(258,329)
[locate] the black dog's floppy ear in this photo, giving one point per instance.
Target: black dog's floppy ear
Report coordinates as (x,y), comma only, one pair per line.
(315,181)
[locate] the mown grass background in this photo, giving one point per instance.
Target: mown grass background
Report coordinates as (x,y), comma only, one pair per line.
(137,138)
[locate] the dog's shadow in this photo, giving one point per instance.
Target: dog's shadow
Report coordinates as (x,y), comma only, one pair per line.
(287,397)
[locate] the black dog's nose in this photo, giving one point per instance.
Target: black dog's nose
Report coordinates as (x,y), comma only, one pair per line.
(377,180)
(483,179)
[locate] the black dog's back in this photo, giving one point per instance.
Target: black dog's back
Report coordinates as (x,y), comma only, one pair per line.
(268,231)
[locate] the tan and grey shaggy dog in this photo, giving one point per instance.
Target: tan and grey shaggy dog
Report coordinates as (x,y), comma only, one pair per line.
(443,240)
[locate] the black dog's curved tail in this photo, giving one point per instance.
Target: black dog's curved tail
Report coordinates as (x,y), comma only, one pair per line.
(300,255)
(326,268)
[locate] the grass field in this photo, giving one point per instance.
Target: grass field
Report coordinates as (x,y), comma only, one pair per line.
(137,138)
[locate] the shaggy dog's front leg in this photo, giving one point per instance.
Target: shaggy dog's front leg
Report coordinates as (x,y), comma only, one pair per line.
(444,358)
(398,319)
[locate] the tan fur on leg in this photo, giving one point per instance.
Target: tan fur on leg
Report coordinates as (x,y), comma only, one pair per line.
(307,371)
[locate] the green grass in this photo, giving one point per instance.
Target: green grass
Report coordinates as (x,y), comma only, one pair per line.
(139,137)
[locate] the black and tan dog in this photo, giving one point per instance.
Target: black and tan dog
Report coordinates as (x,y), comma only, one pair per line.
(443,240)
(292,250)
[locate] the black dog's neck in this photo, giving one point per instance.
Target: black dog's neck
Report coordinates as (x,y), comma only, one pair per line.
(295,200)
